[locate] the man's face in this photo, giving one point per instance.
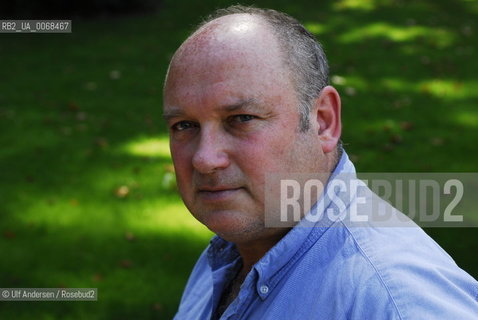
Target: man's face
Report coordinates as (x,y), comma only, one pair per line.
(232,112)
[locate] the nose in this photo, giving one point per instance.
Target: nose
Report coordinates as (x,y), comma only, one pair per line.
(211,153)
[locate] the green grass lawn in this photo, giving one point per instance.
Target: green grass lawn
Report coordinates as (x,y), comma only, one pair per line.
(85,179)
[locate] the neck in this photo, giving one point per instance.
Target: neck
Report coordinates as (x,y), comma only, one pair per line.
(253,252)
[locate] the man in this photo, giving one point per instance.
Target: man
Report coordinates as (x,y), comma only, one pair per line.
(247,95)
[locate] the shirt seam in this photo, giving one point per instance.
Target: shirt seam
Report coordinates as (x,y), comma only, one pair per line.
(377,272)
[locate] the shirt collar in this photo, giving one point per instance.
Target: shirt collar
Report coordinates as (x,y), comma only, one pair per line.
(221,253)
(277,261)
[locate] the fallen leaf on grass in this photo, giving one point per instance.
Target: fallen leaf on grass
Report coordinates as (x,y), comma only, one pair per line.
(126,264)
(91,86)
(387,147)
(387,127)
(81,116)
(97,277)
(437,141)
(81,127)
(9,234)
(122,192)
(350,91)
(101,142)
(406,125)
(66,131)
(157,306)
(396,139)
(129,236)
(73,107)
(115,74)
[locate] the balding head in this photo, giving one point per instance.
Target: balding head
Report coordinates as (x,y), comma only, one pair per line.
(227,43)
(234,31)
(301,54)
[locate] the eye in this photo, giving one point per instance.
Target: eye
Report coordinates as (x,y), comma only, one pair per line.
(183,125)
(243,117)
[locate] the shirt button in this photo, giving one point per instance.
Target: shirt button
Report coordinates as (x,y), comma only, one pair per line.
(264,289)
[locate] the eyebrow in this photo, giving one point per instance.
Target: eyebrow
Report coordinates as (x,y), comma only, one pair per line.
(172,112)
(248,104)
(243,105)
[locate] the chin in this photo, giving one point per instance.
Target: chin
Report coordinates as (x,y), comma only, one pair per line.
(232,226)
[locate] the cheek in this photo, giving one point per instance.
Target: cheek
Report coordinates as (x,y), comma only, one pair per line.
(182,166)
(256,157)
(269,150)
(181,154)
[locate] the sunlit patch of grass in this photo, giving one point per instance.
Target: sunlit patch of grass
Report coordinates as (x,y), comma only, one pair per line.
(168,218)
(349,81)
(316,28)
(440,37)
(363,5)
(163,214)
(148,147)
(440,88)
(396,84)
(467,118)
(451,89)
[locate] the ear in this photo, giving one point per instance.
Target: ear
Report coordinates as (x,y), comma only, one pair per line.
(327,111)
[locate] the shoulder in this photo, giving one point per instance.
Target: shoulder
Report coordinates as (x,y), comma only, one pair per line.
(421,280)
(198,289)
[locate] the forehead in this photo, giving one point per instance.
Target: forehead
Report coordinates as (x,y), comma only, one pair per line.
(233,53)
(237,33)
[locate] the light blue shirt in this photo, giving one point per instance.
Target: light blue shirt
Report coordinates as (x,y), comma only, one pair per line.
(334,270)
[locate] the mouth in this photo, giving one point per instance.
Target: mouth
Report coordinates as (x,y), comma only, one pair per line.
(217,194)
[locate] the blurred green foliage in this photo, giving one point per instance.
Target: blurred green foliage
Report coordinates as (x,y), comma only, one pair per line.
(86,184)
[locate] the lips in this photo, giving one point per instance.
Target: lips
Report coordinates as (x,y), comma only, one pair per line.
(217,193)
(216,189)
